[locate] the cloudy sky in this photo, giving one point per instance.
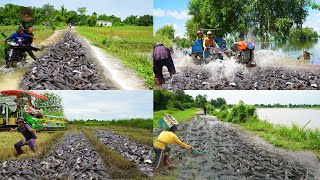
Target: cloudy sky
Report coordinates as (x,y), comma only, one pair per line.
(263,97)
(106,105)
(176,13)
(122,9)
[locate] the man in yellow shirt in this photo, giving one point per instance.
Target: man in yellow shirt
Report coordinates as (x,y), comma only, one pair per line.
(209,42)
(161,145)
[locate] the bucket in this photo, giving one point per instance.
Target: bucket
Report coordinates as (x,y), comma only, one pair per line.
(167,121)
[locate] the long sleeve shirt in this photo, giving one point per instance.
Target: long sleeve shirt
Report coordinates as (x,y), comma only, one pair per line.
(167,138)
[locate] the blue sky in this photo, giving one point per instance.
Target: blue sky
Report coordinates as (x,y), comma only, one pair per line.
(263,97)
(175,12)
(106,105)
(122,9)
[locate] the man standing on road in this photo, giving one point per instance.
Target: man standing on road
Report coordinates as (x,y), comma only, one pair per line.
(29,135)
(162,57)
(205,110)
(161,148)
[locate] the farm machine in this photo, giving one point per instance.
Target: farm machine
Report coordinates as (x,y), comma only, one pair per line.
(18,103)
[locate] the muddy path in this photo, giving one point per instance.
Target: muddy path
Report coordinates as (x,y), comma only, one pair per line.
(270,74)
(67,65)
(72,158)
(231,153)
(138,153)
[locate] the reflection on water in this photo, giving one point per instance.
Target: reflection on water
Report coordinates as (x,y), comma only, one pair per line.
(295,48)
(10,78)
(287,116)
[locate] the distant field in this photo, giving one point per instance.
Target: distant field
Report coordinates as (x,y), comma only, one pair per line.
(41,33)
(180,116)
(132,44)
(8,139)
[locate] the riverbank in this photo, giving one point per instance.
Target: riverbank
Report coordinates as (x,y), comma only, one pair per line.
(288,137)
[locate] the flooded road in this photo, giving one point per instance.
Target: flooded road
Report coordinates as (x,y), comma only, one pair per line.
(287,116)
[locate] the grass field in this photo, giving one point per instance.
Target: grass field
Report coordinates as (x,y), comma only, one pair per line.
(44,142)
(41,33)
(180,116)
(132,44)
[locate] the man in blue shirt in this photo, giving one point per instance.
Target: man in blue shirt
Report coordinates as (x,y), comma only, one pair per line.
(29,135)
(22,40)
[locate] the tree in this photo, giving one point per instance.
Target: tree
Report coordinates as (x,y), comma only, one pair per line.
(200,100)
(82,10)
(92,20)
(53,106)
(131,20)
(166,31)
(146,20)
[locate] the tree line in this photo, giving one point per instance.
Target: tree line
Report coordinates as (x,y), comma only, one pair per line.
(166,100)
(48,15)
(264,19)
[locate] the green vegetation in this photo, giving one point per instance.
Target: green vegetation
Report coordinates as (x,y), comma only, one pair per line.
(277,105)
(293,137)
(133,45)
(303,33)
(44,143)
(180,116)
(275,18)
(48,15)
(138,129)
(114,161)
(52,106)
(136,123)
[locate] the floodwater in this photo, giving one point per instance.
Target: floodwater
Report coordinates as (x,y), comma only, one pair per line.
(10,78)
(289,116)
(294,49)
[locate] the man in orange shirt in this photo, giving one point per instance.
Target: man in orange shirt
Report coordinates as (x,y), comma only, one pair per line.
(209,42)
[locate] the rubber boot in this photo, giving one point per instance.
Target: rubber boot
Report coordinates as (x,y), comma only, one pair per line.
(166,160)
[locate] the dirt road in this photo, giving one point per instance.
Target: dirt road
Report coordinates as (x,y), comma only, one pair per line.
(231,153)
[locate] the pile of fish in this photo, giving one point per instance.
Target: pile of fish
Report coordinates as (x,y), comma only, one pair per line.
(138,153)
(230,154)
(270,78)
(65,66)
(73,158)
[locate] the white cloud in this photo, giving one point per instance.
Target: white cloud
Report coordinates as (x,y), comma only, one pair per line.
(182,15)
(318,15)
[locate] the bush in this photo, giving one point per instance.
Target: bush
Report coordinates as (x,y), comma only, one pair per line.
(303,33)
(241,113)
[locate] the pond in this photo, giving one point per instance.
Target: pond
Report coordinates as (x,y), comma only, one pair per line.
(289,116)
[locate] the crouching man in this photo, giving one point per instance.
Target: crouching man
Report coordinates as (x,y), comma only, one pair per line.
(161,146)
(29,135)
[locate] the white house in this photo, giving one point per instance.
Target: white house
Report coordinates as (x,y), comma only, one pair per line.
(103,23)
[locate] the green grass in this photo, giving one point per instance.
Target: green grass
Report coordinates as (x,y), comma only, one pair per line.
(180,116)
(44,142)
(294,137)
(41,33)
(136,123)
(132,44)
(118,166)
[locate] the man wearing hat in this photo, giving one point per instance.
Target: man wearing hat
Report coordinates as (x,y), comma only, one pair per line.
(209,42)
(200,37)
(29,135)
(161,148)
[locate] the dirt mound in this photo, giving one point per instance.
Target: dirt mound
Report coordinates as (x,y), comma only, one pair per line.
(268,78)
(230,154)
(68,65)
(135,152)
(73,158)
